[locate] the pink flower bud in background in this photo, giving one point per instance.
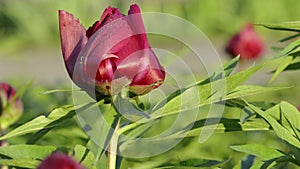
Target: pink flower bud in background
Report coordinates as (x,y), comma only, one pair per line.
(298,108)
(59,161)
(11,107)
(247,43)
(114,51)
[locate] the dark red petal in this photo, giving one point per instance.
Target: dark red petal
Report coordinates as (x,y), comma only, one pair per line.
(138,41)
(247,43)
(11,107)
(91,30)
(73,39)
(99,45)
(231,46)
(59,161)
(137,25)
(106,70)
(110,14)
(138,64)
(8,91)
(149,76)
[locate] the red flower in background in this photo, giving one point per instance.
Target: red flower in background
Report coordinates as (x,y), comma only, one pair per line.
(59,161)
(247,43)
(11,107)
(114,51)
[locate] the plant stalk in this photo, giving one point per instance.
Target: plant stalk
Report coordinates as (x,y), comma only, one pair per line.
(3,143)
(113,148)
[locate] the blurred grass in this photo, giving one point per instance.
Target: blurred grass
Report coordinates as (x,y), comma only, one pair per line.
(34,23)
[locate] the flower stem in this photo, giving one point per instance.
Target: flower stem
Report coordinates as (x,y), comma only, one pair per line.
(113,148)
(3,143)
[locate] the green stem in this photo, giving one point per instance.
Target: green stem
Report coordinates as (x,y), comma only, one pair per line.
(113,148)
(3,143)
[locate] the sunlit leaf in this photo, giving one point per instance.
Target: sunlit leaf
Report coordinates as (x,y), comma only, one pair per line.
(187,101)
(54,118)
(261,151)
(84,156)
(247,90)
(283,65)
(280,131)
(286,26)
(193,164)
(26,151)
(291,48)
(293,66)
(292,115)
(59,90)
(20,163)
(290,37)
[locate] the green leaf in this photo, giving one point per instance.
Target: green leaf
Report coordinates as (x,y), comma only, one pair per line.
(127,109)
(20,163)
(285,26)
(184,100)
(79,152)
(261,151)
(290,37)
(279,130)
(240,77)
(139,130)
(99,123)
(238,165)
(291,48)
(193,164)
(12,114)
(293,66)
(283,65)
(226,125)
(228,68)
(292,115)
(42,122)
(246,114)
(59,90)
(247,90)
(84,156)
(27,151)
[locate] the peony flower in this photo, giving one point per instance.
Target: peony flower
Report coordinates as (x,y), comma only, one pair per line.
(111,54)
(59,161)
(11,107)
(247,43)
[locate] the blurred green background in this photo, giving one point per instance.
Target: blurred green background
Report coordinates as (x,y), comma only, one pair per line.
(30,50)
(29,33)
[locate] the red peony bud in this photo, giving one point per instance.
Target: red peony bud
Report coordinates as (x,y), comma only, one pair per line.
(59,161)
(247,43)
(11,108)
(114,51)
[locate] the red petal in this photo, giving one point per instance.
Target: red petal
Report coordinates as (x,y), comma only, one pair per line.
(110,14)
(247,43)
(73,39)
(137,65)
(8,91)
(106,70)
(100,44)
(59,161)
(8,100)
(136,23)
